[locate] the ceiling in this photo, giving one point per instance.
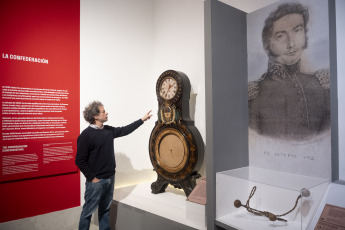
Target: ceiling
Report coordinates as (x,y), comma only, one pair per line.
(248,6)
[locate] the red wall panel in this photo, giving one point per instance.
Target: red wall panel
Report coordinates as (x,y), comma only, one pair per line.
(40,76)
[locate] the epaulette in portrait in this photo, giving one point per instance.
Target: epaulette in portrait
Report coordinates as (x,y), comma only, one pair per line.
(323,76)
(253,90)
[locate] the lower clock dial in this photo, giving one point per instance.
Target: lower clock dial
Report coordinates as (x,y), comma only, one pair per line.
(171,150)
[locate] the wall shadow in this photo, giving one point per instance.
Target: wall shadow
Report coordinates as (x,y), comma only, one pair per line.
(126,175)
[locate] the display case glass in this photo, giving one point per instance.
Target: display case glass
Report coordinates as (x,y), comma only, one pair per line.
(271,192)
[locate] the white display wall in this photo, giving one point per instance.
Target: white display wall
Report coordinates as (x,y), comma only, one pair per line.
(124,47)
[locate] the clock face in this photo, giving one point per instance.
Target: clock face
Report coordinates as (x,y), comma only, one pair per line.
(171,150)
(168,88)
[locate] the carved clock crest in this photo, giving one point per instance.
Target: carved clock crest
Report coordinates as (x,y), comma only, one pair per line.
(176,146)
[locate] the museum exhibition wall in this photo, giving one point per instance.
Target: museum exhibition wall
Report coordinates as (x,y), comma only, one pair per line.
(226,95)
(39,70)
(127,52)
(340,17)
(121,57)
(220,23)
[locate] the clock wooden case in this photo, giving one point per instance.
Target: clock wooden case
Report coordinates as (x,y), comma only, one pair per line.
(176,146)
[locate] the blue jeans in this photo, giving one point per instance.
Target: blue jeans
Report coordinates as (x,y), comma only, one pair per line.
(97,195)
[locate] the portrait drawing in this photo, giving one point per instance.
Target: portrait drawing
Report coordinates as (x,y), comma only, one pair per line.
(289,99)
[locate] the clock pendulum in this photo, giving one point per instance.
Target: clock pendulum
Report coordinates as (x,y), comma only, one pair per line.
(176,147)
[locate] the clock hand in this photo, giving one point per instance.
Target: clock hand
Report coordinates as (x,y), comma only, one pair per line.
(168,90)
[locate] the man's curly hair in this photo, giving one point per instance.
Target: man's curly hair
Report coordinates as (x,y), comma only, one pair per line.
(91,111)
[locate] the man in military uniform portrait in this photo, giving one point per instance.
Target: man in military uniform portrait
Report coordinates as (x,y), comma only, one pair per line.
(286,102)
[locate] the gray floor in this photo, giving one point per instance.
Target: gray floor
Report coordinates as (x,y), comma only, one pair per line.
(92,227)
(62,220)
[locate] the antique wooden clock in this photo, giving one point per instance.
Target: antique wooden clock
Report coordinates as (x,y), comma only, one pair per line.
(176,146)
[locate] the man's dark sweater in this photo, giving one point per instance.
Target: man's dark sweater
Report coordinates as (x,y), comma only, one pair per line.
(95,150)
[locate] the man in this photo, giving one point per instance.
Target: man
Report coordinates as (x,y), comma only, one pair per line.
(286,103)
(96,160)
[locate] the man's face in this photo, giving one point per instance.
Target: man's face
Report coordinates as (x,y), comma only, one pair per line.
(102,116)
(288,39)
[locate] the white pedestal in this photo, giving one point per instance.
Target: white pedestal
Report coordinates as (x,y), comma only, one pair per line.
(171,206)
